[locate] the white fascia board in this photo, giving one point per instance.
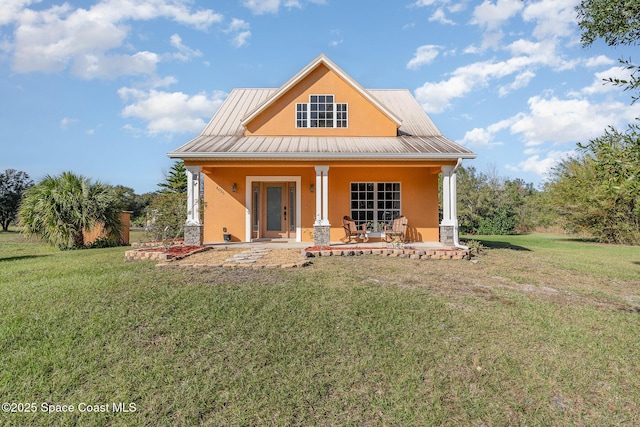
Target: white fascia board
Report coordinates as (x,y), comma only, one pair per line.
(321,156)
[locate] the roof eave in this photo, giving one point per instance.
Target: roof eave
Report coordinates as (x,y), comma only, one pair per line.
(321,156)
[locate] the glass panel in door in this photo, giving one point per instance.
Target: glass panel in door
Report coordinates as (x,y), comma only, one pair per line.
(274,208)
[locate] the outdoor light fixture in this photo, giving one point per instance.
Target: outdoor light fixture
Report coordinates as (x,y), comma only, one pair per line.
(311,187)
(234,187)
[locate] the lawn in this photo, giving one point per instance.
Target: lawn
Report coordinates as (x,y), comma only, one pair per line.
(537,330)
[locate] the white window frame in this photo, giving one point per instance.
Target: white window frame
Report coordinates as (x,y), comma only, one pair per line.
(381,215)
(304,113)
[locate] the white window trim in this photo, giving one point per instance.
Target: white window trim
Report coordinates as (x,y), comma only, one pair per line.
(334,111)
(375,199)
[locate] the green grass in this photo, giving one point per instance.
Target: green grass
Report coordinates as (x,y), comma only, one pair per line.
(538,330)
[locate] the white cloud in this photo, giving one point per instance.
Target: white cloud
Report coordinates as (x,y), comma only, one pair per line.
(237,25)
(260,7)
(240,31)
(561,121)
(439,16)
(521,80)
(424,55)
(484,138)
(66,121)
(599,84)
(11,9)
(293,3)
(568,120)
(553,18)
(436,97)
(479,138)
(170,112)
(185,53)
(241,38)
(457,7)
(124,10)
(599,60)
(541,166)
(491,15)
(555,121)
(87,40)
(421,3)
(543,52)
(91,66)
(491,40)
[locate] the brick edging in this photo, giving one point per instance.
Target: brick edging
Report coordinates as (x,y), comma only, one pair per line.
(256,266)
(417,254)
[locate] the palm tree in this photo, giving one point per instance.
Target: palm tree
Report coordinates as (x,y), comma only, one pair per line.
(60,208)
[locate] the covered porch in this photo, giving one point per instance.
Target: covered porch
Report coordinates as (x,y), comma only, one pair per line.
(304,203)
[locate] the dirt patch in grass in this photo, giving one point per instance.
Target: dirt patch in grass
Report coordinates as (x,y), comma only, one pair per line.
(492,276)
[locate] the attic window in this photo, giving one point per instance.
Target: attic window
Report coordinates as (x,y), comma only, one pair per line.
(321,112)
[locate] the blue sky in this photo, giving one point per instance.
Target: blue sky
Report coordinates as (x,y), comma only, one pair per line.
(106,88)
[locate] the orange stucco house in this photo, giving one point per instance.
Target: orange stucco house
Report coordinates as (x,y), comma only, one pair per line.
(291,162)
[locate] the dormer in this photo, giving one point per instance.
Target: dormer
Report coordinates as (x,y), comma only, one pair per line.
(321,100)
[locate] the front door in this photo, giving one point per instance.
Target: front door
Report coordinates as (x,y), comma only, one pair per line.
(277,215)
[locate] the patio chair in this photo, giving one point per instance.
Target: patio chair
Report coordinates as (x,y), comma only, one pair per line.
(397,232)
(353,230)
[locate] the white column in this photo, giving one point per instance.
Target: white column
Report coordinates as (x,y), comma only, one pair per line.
(318,218)
(325,197)
(448,199)
(322,195)
(193,195)
(453,197)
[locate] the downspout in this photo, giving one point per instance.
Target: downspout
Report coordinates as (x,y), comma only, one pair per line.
(456,241)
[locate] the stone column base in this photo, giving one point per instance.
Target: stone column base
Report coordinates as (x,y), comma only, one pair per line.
(446,234)
(193,235)
(321,235)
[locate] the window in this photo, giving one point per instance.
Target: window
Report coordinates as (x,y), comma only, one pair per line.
(321,112)
(375,203)
(341,115)
(301,115)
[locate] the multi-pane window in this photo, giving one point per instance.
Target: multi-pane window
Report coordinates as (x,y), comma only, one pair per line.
(321,112)
(341,115)
(302,116)
(375,203)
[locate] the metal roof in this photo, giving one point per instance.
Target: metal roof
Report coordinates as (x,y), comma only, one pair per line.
(223,138)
